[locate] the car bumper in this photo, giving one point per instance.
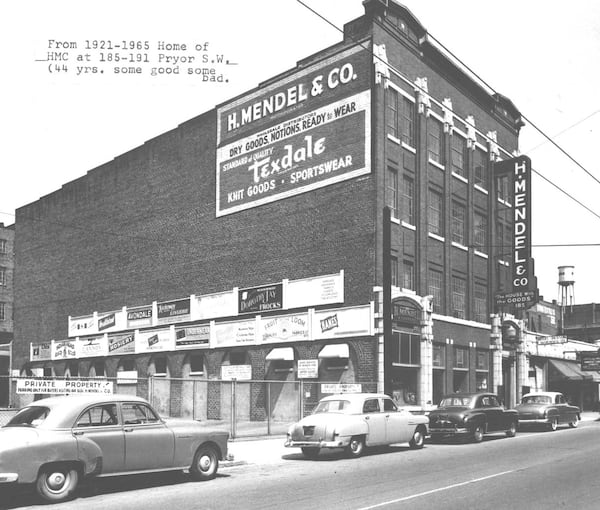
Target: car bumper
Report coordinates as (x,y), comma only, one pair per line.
(8,477)
(445,431)
(339,443)
(533,421)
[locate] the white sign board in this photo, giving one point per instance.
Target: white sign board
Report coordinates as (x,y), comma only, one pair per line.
(341,388)
(238,372)
(308,368)
(64,386)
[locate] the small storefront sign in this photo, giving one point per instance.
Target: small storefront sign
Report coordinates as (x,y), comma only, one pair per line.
(139,317)
(192,337)
(320,290)
(91,347)
(261,299)
(154,341)
(290,328)
(341,388)
(63,386)
(173,311)
(63,349)
(308,368)
(237,372)
(121,344)
(234,334)
(590,361)
(85,325)
(41,351)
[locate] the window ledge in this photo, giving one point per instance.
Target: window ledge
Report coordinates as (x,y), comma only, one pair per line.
(437,237)
(408,225)
(393,139)
(393,219)
(504,202)
(460,177)
(480,189)
(481,254)
(504,263)
(409,148)
(460,246)
(436,164)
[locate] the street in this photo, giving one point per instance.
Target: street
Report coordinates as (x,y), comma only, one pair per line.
(536,469)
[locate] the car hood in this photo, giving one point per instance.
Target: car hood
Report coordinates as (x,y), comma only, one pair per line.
(17,436)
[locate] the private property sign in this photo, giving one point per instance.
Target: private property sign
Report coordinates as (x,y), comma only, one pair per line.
(63,386)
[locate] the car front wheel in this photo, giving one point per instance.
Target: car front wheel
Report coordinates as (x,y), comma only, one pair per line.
(553,425)
(205,464)
(478,432)
(57,483)
(512,430)
(418,439)
(356,447)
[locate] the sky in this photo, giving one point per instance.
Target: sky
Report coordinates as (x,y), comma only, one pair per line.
(61,119)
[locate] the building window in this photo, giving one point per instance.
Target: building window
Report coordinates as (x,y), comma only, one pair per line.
(237,358)
(479,171)
(408,275)
(503,188)
(72,370)
(392,112)
(391,190)
(197,364)
(3,245)
(408,200)
(394,264)
(160,365)
(439,355)
(99,369)
(434,288)
(435,213)
(458,153)
(409,348)
(2,311)
(483,360)
(480,302)
(458,223)
(408,121)
(126,365)
(480,231)
(459,297)
(461,357)
(435,141)
(2,276)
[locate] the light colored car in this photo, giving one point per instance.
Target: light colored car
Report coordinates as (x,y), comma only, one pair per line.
(57,441)
(354,421)
(547,408)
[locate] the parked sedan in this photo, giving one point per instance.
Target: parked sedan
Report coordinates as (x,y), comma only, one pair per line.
(57,441)
(547,408)
(471,415)
(356,421)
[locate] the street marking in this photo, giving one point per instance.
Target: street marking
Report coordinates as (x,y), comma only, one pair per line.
(426,493)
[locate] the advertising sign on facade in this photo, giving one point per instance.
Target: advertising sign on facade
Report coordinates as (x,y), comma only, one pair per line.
(590,361)
(237,372)
(234,334)
(343,322)
(320,290)
(63,349)
(290,328)
(92,347)
(304,132)
(173,311)
(405,313)
(121,344)
(212,306)
(308,368)
(260,299)
(341,388)
(192,337)
(154,341)
(139,317)
(63,386)
(82,326)
(41,351)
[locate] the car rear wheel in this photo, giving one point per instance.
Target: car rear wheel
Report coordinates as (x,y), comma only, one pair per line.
(310,452)
(356,447)
(57,483)
(512,430)
(478,432)
(418,439)
(574,422)
(553,425)
(205,463)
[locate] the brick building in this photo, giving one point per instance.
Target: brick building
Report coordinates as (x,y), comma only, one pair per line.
(7,237)
(341,223)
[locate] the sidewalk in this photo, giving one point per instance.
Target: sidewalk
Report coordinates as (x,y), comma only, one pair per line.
(270,449)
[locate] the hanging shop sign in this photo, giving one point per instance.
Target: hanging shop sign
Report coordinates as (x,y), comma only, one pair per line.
(173,311)
(320,290)
(139,317)
(308,368)
(342,322)
(310,130)
(119,345)
(63,349)
(260,299)
(234,334)
(63,386)
(85,325)
(590,361)
(40,351)
(154,341)
(237,372)
(289,328)
(192,337)
(91,347)
(213,306)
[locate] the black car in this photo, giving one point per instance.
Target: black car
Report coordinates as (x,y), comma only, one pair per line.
(471,415)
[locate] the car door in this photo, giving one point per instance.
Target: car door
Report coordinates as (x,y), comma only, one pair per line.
(100,424)
(149,443)
(562,408)
(396,423)
(375,420)
(493,411)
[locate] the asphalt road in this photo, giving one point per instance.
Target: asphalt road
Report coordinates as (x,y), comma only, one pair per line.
(532,470)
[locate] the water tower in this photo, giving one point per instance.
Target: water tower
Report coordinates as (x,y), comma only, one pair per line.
(566,285)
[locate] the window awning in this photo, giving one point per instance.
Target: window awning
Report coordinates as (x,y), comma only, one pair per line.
(335,351)
(281,353)
(571,371)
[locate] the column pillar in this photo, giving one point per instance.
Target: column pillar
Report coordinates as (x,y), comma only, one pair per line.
(426,375)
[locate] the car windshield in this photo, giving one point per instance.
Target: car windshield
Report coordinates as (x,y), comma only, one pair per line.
(31,416)
(536,399)
(332,406)
(456,401)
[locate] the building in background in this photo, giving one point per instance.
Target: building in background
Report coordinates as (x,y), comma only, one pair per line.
(7,236)
(343,224)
